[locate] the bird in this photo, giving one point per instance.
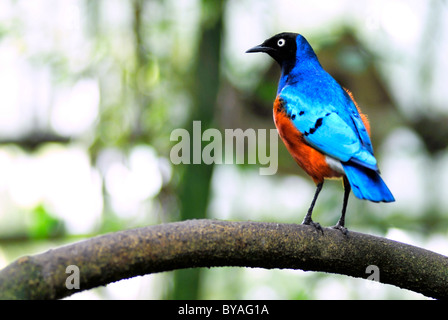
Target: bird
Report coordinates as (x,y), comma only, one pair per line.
(322,126)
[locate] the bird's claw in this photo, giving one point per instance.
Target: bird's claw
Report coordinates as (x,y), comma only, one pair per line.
(316,225)
(341,228)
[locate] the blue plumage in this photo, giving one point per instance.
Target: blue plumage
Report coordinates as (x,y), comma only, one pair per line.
(321,125)
(367,184)
(330,122)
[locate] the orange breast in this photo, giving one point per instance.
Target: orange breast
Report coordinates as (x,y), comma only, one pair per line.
(309,159)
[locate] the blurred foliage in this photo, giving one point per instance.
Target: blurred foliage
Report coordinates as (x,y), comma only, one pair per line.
(159,65)
(42,225)
(194,189)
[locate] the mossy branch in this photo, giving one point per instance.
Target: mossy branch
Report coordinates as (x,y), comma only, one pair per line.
(210,243)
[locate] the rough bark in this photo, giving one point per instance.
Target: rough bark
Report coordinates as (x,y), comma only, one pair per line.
(211,243)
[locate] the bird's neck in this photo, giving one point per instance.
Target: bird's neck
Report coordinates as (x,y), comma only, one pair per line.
(299,70)
(282,82)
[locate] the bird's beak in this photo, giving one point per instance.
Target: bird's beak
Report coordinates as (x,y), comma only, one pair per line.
(259,48)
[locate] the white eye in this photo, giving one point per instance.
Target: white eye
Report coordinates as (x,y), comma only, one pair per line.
(281,42)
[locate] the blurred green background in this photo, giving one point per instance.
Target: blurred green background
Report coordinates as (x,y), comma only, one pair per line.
(90,92)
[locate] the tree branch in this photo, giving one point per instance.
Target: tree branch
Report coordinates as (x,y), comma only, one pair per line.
(211,243)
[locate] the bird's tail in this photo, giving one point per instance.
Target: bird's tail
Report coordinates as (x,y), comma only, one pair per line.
(367,183)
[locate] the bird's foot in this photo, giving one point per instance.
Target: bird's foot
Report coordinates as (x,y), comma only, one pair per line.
(341,228)
(316,225)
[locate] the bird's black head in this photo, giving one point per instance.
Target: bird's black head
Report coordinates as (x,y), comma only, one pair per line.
(282,47)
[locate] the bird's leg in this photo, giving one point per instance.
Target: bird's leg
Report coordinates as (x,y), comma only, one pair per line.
(307,220)
(341,223)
